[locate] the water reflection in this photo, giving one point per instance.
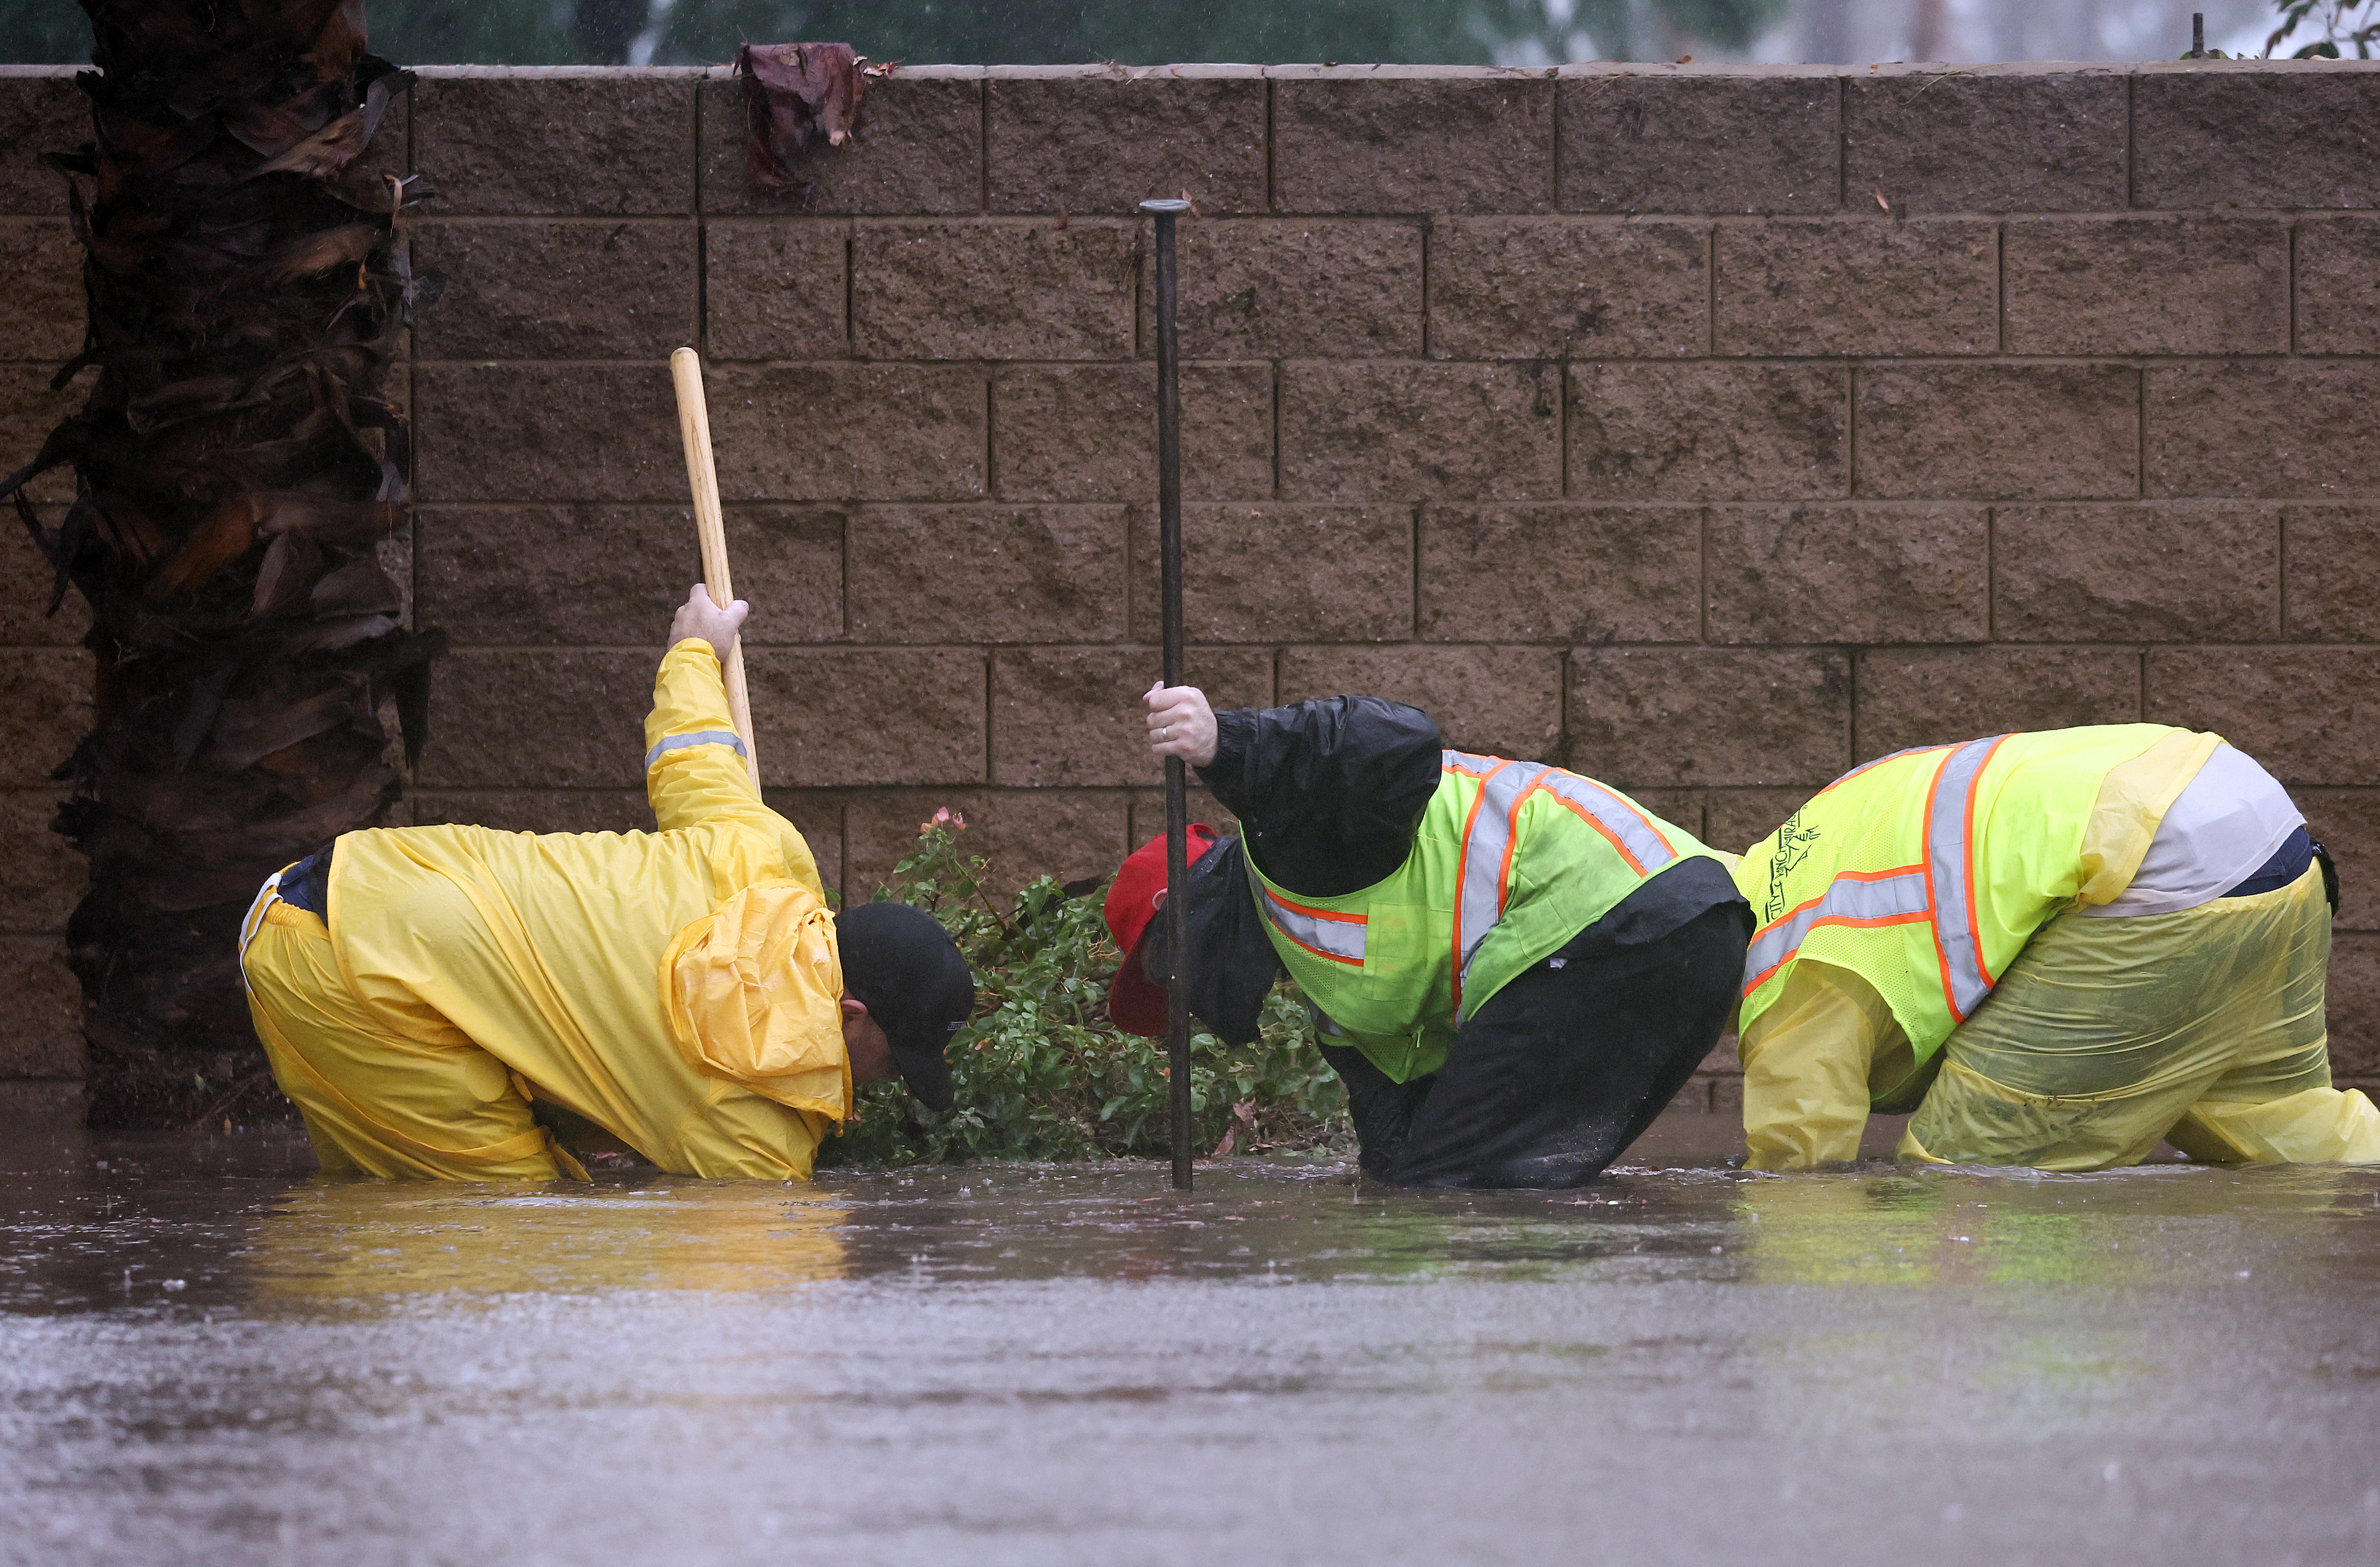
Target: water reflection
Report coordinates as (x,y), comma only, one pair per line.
(373,1240)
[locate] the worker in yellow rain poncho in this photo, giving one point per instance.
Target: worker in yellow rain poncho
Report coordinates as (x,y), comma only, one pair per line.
(2057,948)
(687,990)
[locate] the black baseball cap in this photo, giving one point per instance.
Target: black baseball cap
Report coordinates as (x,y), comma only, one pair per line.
(902,966)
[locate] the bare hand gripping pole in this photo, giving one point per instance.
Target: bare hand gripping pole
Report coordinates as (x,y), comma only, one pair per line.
(1177,810)
(694,424)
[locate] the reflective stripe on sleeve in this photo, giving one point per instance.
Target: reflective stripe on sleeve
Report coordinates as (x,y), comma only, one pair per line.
(727,738)
(1630,831)
(1949,851)
(1882,897)
(1485,878)
(1338,937)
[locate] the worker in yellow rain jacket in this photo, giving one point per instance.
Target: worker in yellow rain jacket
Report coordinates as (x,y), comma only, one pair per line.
(2057,948)
(687,990)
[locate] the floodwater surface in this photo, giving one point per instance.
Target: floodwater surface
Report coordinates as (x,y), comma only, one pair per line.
(207,1355)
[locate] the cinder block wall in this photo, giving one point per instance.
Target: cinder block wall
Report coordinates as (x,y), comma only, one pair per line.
(1705,430)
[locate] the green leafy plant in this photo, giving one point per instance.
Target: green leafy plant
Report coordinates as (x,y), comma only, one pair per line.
(1041,1072)
(2350,23)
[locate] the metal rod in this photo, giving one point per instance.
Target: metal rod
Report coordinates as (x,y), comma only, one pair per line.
(2198,35)
(1177,808)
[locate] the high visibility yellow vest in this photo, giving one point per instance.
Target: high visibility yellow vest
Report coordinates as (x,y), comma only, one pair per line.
(1927,871)
(1510,860)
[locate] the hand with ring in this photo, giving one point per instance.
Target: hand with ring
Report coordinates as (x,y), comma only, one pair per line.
(1180,723)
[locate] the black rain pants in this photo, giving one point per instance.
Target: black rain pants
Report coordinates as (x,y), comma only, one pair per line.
(1562,1069)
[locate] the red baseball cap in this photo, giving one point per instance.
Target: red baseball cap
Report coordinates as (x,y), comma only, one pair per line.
(1135,1003)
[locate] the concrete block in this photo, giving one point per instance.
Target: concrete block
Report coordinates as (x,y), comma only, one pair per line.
(1639,138)
(29,411)
(1695,717)
(2332,573)
(2288,429)
(992,289)
(542,288)
(827,717)
(2338,285)
(818,816)
(1379,430)
(1100,145)
(1935,696)
(534,811)
(2270,133)
(2310,715)
(1494,701)
(857,432)
(1560,574)
(593,142)
(1414,142)
(24,618)
(1708,431)
(2142,573)
(1550,289)
(1734,819)
(1071,716)
(1999,433)
(41,313)
(46,877)
(1283,572)
(2354,996)
(1859,285)
(2147,285)
(1985,139)
(919,149)
(585,706)
(1273,289)
(1148,814)
(45,708)
(492,431)
(562,575)
(987,574)
(1024,834)
(776,289)
(1088,432)
(1844,574)
(44,1035)
(41,111)
(2347,822)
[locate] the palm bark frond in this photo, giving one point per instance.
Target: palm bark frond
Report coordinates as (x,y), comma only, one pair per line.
(240,483)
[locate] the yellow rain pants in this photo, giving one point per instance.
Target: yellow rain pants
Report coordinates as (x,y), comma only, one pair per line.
(677,988)
(2204,1027)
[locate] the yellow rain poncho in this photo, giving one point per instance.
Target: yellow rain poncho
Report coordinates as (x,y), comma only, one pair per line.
(678,989)
(2204,1027)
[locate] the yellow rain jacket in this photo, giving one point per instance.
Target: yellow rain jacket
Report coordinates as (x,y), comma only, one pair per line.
(2204,1026)
(678,989)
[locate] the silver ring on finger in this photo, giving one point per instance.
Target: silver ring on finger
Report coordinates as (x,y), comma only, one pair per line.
(1164,734)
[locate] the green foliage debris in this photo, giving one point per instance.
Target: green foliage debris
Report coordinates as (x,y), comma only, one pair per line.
(1042,1075)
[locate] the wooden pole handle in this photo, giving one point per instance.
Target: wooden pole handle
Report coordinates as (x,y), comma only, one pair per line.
(702,477)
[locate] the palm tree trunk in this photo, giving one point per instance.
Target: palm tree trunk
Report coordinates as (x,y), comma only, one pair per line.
(241,480)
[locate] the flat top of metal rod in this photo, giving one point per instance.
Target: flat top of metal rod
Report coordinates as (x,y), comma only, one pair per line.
(1165,204)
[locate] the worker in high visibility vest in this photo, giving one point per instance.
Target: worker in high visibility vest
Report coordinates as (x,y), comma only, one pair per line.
(423,992)
(2057,948)
(1513,967)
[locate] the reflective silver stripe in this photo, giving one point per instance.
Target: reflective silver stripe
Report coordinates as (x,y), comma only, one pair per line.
(1947,850)
(727,738)
(1635,836)
(1341,939)
(1479,901)
(1899,895)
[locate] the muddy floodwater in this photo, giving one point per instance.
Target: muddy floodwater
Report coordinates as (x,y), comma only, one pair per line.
(207,1356)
